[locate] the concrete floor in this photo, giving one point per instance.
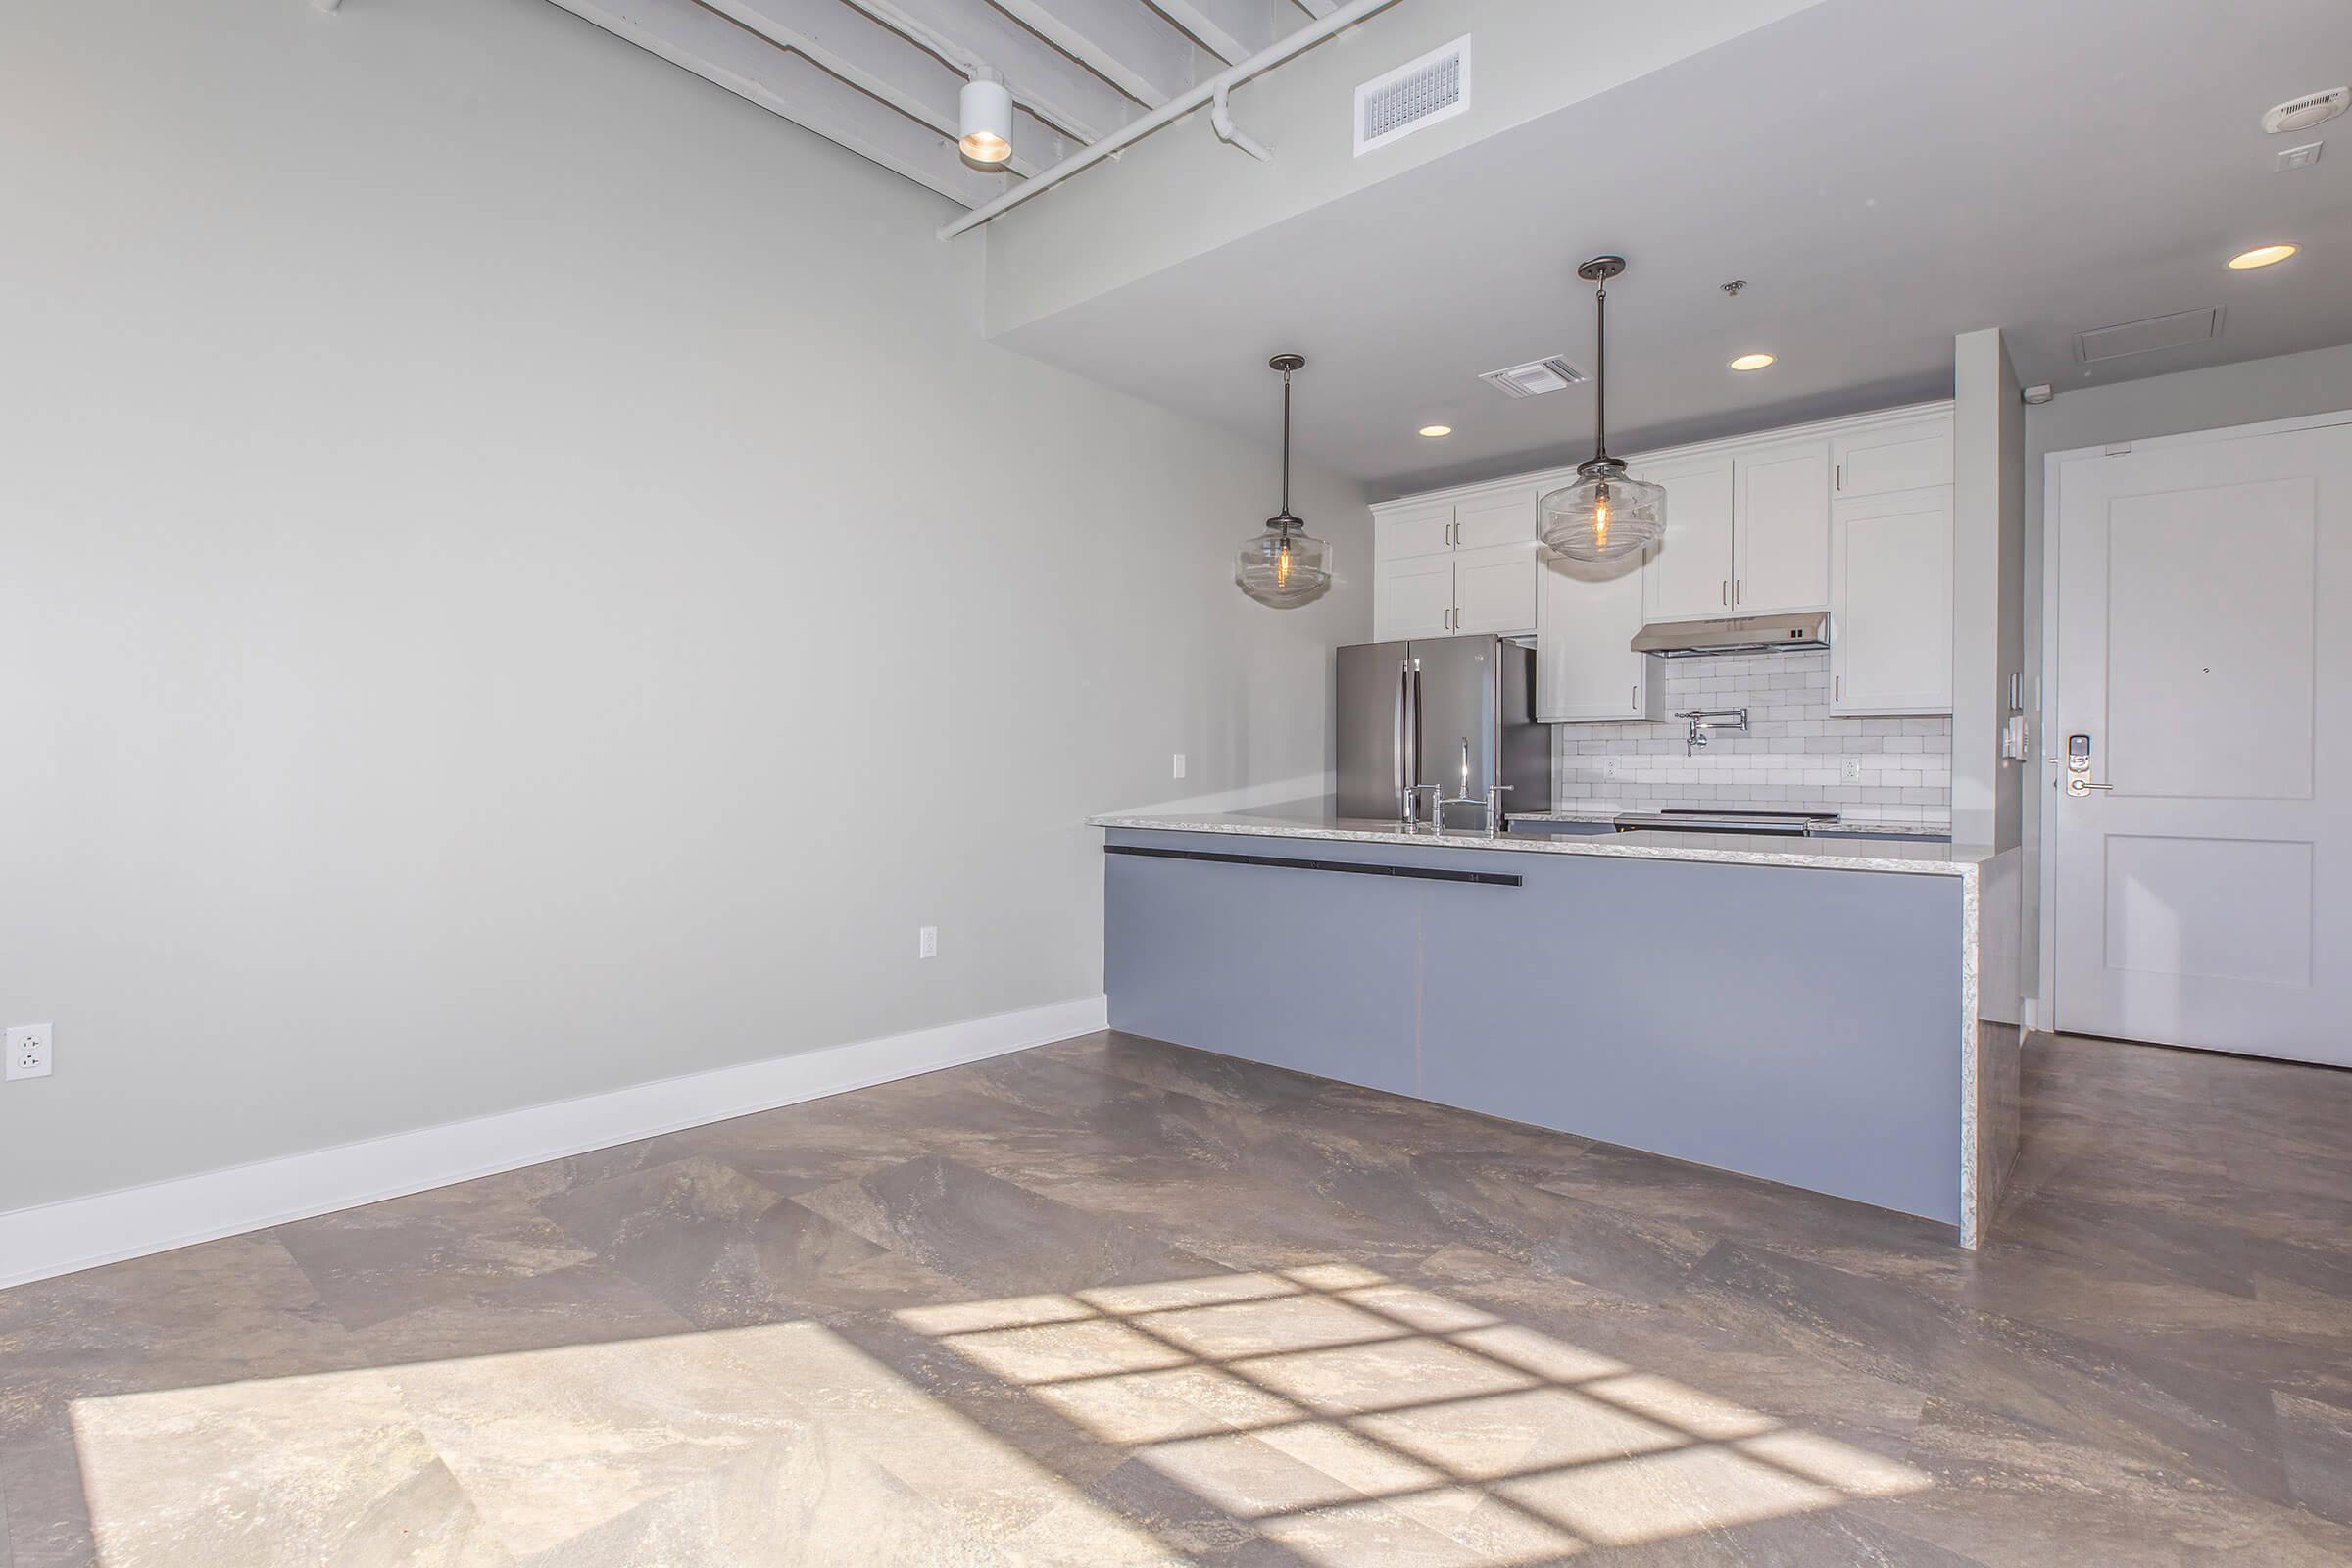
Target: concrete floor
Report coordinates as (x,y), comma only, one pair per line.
(1113,1302)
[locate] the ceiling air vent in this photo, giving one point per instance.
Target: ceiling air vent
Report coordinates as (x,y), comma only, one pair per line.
(1413,96)
(2301,114)
(2142,337)
(1536,379)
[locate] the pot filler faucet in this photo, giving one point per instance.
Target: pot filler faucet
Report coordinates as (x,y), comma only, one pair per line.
(1705,721)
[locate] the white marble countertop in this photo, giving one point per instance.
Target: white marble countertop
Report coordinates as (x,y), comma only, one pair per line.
(1739,848)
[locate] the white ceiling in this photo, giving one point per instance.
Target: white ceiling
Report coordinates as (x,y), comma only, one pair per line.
(882,76)
(1883,174)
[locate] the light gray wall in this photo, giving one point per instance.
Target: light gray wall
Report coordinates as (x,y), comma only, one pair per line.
(1988,585)
(522,577)
(2249,392)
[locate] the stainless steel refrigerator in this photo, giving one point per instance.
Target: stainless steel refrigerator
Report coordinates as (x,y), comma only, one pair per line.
(1455,711)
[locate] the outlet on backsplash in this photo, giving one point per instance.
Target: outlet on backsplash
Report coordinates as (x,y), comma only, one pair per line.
(1793,755)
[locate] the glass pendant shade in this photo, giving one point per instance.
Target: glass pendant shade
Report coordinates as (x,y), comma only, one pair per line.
(1604,515)
(1285,567)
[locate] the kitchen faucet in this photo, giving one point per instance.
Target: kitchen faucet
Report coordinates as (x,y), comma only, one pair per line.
(1704,721)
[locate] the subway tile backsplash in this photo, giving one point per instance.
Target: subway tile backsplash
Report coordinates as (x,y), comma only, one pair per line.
(1794,754)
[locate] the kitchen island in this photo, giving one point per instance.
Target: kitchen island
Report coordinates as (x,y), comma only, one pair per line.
(1806,1010)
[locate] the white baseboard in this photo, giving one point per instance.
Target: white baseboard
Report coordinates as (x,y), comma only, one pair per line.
(81,1233)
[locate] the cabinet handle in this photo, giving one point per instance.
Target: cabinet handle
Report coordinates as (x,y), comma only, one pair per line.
(1842,476)
(1723,591)
(1837,687)
(1739,590)
(1633,696)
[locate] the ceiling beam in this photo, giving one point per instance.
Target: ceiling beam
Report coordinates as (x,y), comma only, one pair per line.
(1231,30)
(1127,45)
(883,64)
(793,87)
(1042,79)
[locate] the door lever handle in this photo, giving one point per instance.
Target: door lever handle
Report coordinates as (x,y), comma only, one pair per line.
(2079,785)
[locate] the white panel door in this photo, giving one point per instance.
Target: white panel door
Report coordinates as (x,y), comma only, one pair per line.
(1688,575)
(1503,517)
(1586,668)
(1780,557)
(2204,654)
(1421,528)
(1495,588)
(1890,603)
(1412,598)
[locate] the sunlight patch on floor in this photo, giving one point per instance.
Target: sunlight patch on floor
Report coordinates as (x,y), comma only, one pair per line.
(781,1445)
(1355,1419)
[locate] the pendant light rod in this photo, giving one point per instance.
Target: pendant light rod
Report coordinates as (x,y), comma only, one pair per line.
(1286,364)
(1598,270)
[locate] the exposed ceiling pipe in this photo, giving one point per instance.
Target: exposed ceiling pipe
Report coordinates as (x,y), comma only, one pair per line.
(1266,59)
(1220,120)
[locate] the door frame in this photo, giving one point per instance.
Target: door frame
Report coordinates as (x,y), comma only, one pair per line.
(2046,1006)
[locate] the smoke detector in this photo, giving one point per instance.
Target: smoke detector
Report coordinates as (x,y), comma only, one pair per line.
(2312,109)
(1534,379)
(1415,96)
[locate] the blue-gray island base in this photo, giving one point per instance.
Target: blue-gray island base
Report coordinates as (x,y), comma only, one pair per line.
(1803,1018)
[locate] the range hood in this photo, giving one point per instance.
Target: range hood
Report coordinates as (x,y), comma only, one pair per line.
(1743,634)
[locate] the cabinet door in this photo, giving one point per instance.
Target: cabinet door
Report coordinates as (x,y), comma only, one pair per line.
(1412,598)
(1495,588)
(1897,457)
(1890,603)
(1504,518)
(1688,575)
(1780,559)
(1586,668)
(1423,528)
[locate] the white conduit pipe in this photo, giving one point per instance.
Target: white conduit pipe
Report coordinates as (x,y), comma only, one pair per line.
(1266,59)
(1220,120)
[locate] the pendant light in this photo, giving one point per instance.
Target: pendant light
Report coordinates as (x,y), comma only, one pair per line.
(1284,567)
(1605,514)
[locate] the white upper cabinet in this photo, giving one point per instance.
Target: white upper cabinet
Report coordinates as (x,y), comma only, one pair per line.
(1747,532)
(1422,528)
(1877,462)
(1586,668)
(1447,567)
(1412,598)
(1689,577)
(1890,603)
(1849,516)
(1504,518)
(1492,588)
(1780,530)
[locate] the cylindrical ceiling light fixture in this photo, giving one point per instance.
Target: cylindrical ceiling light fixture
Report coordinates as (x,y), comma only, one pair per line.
(985,111)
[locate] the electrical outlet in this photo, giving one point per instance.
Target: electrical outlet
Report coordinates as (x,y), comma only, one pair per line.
(926,942)
(1609,768)
(31,1052)
(1851,770)
(1179,764)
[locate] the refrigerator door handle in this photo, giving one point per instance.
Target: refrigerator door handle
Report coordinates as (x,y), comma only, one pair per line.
(1399,766)
(1412,730)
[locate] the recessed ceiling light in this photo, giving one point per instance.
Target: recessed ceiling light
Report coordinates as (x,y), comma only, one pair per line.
(1751,362)
(1433,431)
(2260,256)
